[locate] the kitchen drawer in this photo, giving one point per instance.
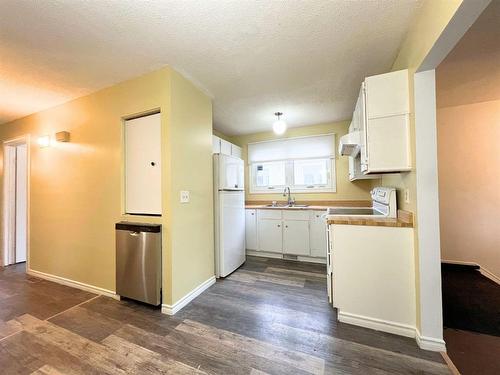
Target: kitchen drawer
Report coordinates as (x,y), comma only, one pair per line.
(269,214)
(316,214)
(296,215)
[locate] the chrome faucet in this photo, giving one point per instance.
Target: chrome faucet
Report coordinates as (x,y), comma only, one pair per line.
(290,201)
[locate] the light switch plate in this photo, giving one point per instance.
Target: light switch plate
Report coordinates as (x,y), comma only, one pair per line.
(184,196)
(407,195)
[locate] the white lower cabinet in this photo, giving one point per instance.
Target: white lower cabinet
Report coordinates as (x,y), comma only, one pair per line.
(374,277)
(289,232)
(318,242)
(270,235)
(251,229)
(296,237)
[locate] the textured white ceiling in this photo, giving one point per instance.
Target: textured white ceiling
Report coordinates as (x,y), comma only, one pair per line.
(304,58)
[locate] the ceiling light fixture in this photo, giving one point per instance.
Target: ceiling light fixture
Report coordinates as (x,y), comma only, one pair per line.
(279,126)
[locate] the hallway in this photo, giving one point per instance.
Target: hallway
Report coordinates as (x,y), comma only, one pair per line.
(471,312)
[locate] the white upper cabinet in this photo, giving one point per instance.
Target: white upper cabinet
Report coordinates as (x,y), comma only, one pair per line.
(215,144)
(143,165)
(382,114)
(387,94)
(355,172)
(236,151)
(225,147)
(220,146)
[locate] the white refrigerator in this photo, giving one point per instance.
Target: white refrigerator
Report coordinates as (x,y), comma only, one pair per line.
(229,207)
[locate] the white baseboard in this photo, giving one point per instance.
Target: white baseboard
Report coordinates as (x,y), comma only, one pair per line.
(489,275)
(485,272)
(264,254)
(72,283)
(300,258)
(172,309)
(430,343)
(311,259)
(459,262)
(377,324)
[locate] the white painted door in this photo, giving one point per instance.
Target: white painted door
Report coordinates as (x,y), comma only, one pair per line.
(296,237)
(318,234)
(143,165)
(270,235)
(251,229)
(225,147)
(21,202)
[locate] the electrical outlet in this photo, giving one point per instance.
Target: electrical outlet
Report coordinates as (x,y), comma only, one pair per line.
(407,195)
(184,196)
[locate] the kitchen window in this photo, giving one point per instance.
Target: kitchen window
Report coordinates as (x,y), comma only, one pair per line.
(305,164)
(270,175)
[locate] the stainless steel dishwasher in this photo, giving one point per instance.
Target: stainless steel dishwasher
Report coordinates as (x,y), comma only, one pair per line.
(138,261)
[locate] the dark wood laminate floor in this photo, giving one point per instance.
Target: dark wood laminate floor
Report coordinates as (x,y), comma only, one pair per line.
(471,315)
(269,317)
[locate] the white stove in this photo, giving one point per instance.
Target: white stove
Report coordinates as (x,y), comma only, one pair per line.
(383,205)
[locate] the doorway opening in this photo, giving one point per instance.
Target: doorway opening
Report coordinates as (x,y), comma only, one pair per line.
(16,188)
(467,121)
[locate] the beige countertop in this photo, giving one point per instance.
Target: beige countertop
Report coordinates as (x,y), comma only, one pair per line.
(311,205)
(404,219)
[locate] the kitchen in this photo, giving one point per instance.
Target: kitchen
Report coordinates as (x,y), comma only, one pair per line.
(222,187)
(354,238)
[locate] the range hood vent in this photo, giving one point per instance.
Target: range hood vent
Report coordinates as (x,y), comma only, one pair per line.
(349,144)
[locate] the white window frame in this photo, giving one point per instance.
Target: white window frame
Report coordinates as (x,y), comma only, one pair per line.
(329,187)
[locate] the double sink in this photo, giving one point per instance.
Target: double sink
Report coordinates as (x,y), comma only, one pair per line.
(286,205)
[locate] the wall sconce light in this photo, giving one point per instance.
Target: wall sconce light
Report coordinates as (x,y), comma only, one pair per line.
(62,136)
(44,141)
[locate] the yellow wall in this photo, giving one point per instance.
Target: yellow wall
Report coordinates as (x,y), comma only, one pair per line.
(191,224)
(76,188)
(223,136)
(433,17)
(346,190)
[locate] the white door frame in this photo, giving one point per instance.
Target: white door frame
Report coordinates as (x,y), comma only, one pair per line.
(9,224)
(430,336)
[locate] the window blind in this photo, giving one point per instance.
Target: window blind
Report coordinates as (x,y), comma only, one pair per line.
(318,146)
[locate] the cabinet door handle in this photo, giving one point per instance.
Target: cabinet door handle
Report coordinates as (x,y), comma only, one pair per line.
(279,225)
(286,226)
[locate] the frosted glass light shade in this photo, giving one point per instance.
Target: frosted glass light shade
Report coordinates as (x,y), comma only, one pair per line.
(44,141)
(279,127)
